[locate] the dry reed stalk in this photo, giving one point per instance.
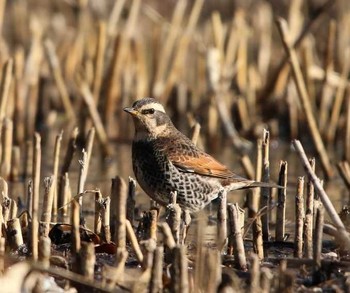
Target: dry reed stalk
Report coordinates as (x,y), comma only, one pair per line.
(119,63)
(248,167)
(6,152)
(75,233)
(179,270)
(200,272)
(221,238)
(347,128)
(254,284)
(44,251)
(186,221)
(308,60)
(238,142)
(174,216)
(254,197)
(71,149)
(31,77)
(169,240)
(218,32)
(106,216)
(114,17)
(14,233)
(130,204)
(242,52)
(281,202)
(213,263)
(304,99)
(56,72)
(99,60)
(133,240)
(56,156)
(195,133)
(1,222)
(311,25)
(49,183)
(13,209)
(16,163)
(29,197)
(339,96)
(89,147)
(142,72)
(178,65)
(6,79)
(323,195)
(156,283)
(81,181)
(309,215)
(119,192)
(264,23)
(266,278)
(87,260)
(236,236)
(153,216)
(299,218)
(148,247)
(28,169)
(66,196)
(253,207)
(265,197)
(168,48)
(96,119)
(36,194)
(327,90)
(19,107)
(98,212)
(319,221)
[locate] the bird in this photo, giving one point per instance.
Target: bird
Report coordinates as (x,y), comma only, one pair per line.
(164,160)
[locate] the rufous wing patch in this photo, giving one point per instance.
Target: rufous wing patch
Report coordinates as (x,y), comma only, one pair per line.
(202,165)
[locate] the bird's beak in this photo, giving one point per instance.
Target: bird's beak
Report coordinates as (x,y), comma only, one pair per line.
(131,111)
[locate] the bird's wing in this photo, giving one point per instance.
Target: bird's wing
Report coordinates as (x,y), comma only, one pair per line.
(202,164)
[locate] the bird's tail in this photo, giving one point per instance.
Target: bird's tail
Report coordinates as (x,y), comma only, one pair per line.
(262,184)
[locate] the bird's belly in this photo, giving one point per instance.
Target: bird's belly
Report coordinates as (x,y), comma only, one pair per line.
(158,179)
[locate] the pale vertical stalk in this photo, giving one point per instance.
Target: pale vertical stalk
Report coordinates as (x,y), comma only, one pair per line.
(99,60)
(156,283)
(7,138)
(222,221)
(309,215)
(304,98)
(5,87)
(35,202)
(299,218)
(57,151)
(87,260)
(179,269)
(119,192)
(265,192)
(236,237)
(49,183)
(58,77)
(318,234)
(44,251)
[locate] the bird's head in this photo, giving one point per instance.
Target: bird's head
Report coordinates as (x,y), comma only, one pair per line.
(150,119)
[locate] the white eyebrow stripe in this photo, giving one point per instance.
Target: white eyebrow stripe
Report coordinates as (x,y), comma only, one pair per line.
(155,106)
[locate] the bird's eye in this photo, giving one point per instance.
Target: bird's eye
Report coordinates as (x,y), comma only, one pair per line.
(148,111)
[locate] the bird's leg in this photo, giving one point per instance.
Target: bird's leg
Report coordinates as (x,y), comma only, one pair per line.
(186,218)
